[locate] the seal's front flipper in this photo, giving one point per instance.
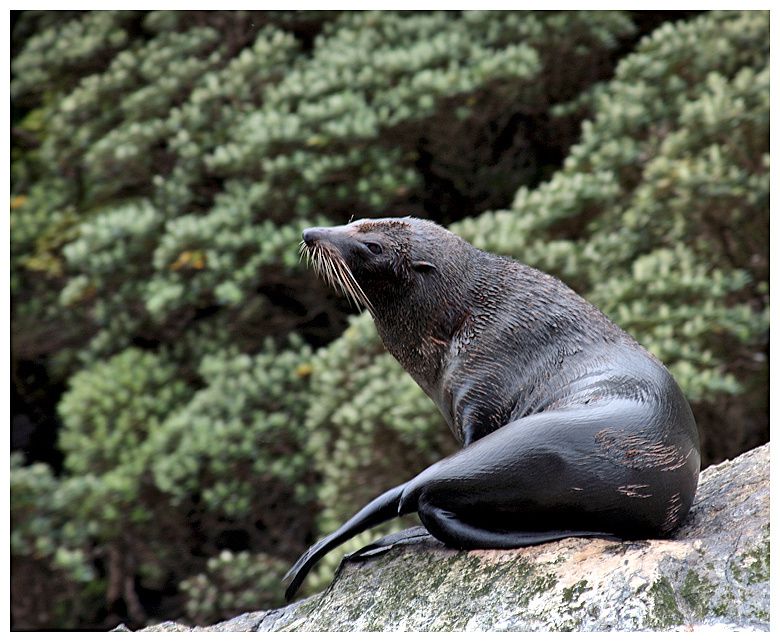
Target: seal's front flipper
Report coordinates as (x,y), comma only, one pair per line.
(412,535)
(456,533)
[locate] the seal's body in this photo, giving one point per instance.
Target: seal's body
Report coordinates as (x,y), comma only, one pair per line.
(569,426)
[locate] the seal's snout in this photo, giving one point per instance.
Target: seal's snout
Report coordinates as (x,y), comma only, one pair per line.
(312,235)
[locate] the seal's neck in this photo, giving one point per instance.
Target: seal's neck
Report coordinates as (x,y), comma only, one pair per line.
(417,321)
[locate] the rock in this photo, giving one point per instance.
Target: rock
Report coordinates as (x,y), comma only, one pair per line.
(714,575)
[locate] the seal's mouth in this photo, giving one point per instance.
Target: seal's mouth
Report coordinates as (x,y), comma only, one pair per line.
(333,269)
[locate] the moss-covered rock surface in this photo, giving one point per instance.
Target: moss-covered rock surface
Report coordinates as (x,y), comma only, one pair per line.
(714,575)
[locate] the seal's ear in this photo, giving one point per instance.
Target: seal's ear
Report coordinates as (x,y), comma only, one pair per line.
(423,266)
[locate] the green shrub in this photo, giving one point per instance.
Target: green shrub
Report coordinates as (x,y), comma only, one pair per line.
(240,435)
(233,583)
(50,553)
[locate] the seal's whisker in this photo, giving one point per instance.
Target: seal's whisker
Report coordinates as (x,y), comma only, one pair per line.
(327,262)
(352,295)
(332,275)
(338,277)
(347,281)
(332,268)
(344,274)
(358,293)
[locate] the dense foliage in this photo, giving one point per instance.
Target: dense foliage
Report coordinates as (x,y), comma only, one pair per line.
(192,408)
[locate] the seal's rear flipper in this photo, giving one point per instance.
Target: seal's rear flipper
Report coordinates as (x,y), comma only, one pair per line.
(412,535)
(381,509)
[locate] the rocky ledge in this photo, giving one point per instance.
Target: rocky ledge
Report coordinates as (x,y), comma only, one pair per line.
(714,575)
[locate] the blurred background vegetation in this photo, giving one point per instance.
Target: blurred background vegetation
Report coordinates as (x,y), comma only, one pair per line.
(191,408)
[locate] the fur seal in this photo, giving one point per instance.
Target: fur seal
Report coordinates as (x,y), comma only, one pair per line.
(569,427)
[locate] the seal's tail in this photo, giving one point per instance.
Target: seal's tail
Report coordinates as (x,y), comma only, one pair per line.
(382,509)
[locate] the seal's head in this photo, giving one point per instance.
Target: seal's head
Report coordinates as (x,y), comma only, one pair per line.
(376,262)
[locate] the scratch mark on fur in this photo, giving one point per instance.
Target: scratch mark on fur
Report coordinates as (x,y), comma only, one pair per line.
(635,490)
(639,452)
(672,513)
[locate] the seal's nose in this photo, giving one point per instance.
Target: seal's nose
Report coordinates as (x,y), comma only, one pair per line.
(312,234)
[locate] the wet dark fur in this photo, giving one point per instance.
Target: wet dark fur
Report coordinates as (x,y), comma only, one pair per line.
(569,427)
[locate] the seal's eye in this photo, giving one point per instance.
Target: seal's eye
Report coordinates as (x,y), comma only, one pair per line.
(374,248)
